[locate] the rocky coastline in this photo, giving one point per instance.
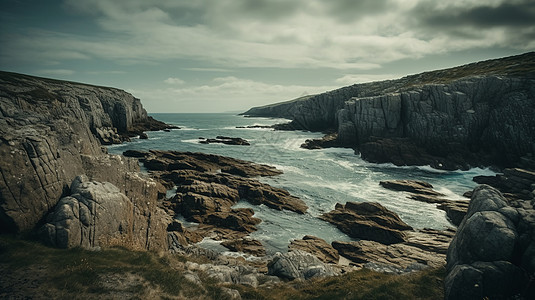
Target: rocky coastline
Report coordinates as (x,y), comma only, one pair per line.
(474,115)
(61,186)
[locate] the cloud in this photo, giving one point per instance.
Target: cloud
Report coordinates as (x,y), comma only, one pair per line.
(174,81)
(221,94)
(226,34)
(350,79)
(207,69)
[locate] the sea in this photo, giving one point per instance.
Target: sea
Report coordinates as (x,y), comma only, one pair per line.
(321,178)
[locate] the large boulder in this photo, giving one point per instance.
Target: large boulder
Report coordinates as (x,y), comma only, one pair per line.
(492,252)
(369,221)
(97,214)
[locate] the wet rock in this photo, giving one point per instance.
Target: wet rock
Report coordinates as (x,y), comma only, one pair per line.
(328,141)
(249,246)
(423,191)
(316,246)
(368,220)
(412,186)
(225,140)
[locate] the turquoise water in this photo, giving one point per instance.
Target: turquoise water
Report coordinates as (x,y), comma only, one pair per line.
(321,178)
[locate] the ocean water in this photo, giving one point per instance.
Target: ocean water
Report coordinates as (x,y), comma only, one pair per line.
(321,178)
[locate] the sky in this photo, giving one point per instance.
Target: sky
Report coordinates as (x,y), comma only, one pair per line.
(230,55)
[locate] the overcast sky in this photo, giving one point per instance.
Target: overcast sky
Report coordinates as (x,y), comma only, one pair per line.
(230,55)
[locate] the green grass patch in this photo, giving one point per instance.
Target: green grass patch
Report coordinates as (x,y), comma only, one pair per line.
(121,273)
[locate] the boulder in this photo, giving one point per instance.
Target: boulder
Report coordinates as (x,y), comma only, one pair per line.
(298,264)
(97,214)
(369,221)
(493,248)
(316,246)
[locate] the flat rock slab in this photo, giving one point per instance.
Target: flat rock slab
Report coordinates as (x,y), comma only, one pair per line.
(369,221)
(316,246)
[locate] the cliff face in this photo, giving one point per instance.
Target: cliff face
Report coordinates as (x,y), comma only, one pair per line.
(50,132)
(485,107)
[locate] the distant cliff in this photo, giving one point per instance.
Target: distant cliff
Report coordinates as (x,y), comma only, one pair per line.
(477,114)
(51,131)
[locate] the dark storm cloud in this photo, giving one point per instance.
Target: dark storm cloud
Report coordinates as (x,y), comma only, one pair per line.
(350,10)
(507,14)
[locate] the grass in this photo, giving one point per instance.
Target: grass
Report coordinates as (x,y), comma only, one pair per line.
(81,273)
(29,269)
(363,284)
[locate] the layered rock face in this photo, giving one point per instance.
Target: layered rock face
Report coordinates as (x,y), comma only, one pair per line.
(50,132)
(455,118)
(492,254)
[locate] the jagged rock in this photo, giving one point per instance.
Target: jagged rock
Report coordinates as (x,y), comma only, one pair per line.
(225,140)
(250,246)
(412,186)
(515,182)
(328,141)
(504,253)
(316,246)
(298,265)
(48,128)
(175,160)
(255,126)
(368,220)
(98,214)
(477,114)
(397,256)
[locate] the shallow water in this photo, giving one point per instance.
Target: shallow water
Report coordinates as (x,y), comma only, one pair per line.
(321,178)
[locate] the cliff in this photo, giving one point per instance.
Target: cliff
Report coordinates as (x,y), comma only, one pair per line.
(477,114)
(51,132)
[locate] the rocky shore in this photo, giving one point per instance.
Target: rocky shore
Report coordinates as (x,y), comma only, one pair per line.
(60,185)
(474,115)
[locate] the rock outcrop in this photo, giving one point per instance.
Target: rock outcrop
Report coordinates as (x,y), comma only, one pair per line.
(369,221)
(97,214)
(316,246)
(208,186)
(50,132)
(477,114)
(225,140)
(492,254)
